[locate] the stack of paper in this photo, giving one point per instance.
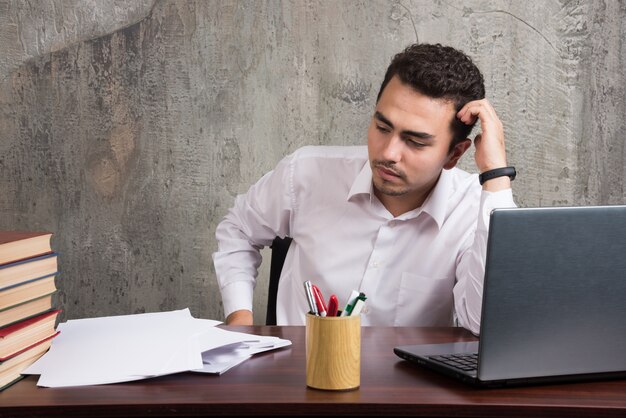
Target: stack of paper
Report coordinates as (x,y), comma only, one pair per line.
(233,348)
(132,347)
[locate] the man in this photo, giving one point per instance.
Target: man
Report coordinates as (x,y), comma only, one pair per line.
(396,221)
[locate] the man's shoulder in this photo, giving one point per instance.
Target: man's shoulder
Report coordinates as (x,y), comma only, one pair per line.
(461,179)
(330,152)
(321,168)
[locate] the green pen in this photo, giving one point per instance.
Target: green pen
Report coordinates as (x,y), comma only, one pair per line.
(350,305)
(358,304)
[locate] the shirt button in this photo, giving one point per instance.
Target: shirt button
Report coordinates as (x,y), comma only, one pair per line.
(392,223)
(375,264)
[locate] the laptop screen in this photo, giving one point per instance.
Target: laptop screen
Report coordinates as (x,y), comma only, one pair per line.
(554,292)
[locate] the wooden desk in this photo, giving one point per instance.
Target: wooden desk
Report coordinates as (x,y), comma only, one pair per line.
(273,383)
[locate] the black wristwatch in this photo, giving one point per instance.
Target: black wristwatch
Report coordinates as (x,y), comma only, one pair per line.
(497,172)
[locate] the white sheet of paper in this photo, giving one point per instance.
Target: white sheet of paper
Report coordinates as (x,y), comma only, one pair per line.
(122,348)
(217,337)
(221,359)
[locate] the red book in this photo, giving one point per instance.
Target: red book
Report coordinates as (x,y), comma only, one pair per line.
(22,335)
(11,369)
(19,245)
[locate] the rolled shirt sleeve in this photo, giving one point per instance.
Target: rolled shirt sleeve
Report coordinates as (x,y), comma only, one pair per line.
(255,219)
(470,272)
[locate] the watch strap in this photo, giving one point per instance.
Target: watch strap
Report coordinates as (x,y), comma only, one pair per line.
(497,172)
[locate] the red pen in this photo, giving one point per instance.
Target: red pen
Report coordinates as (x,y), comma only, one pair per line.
(319,300)
(333,306)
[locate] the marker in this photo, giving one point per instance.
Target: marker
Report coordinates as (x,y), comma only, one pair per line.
(333,305)
(321,307)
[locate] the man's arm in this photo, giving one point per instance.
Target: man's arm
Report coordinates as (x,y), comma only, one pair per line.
(240,317)
(490,150)
(255,219)
(490,154)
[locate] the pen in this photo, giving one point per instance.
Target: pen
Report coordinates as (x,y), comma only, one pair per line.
(310,298)
(321,307)
(333,305)
(350,308)
(350,303)
(358,305)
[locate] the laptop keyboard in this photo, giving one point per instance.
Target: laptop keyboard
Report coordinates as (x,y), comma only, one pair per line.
(466,362)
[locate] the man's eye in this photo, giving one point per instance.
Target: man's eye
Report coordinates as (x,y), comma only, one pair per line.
(415,144)
(382,129)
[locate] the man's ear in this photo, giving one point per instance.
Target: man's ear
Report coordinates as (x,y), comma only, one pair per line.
(456,153)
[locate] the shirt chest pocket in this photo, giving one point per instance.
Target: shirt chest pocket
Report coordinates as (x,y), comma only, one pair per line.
(424,301)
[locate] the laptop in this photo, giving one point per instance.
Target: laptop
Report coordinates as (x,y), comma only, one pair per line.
(554,301)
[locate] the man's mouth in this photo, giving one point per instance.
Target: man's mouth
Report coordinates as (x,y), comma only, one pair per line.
(387,174)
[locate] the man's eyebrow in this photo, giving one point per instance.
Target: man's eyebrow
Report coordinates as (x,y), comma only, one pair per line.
(421,135)
(383,119)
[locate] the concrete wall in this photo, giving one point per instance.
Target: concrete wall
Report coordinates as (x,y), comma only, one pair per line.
(128,128)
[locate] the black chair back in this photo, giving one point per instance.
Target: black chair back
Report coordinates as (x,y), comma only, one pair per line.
(279,247)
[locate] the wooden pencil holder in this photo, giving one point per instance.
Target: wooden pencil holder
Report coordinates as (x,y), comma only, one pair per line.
(333,352)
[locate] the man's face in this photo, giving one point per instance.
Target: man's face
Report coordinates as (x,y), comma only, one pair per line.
(408,143)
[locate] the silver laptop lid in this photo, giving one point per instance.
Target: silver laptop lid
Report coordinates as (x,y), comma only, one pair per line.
(555,293)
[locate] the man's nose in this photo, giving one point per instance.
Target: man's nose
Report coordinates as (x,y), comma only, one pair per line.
(393,149)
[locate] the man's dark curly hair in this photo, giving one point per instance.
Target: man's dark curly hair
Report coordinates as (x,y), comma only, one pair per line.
(439,72)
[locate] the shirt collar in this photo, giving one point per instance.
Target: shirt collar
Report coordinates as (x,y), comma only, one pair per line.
(435,205)
(363,182)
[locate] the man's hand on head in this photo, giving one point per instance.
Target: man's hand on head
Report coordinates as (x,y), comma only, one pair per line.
(490,150)
(241,317)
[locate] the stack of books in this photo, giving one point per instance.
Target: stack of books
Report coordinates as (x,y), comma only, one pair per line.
(27,319)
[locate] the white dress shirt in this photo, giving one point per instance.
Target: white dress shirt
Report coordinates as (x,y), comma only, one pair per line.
(422,268)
